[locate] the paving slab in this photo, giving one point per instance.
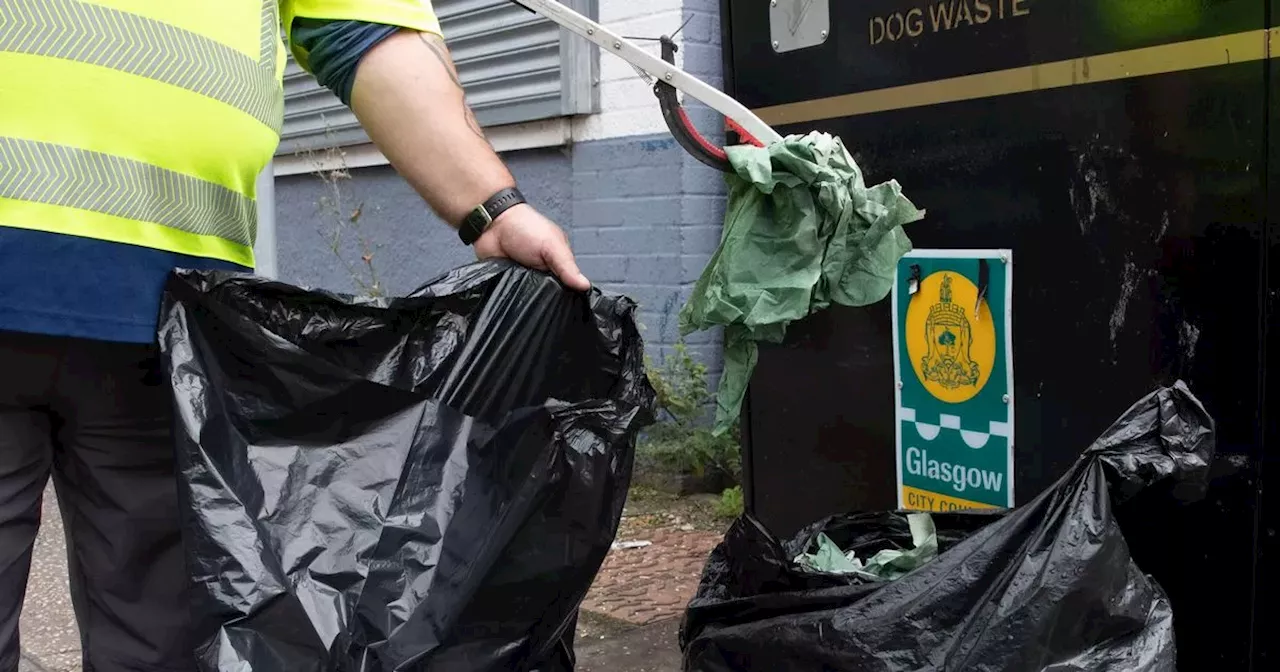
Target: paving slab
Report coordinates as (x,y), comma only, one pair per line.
(25,665)
(649,648)
(50,638)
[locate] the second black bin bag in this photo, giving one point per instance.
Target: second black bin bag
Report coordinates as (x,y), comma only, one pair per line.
(1050,586)
(428,482)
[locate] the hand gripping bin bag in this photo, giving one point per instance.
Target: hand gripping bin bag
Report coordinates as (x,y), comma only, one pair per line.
(425,483)
(1046,587)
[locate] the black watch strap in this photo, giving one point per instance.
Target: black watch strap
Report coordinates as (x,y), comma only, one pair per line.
(478,221)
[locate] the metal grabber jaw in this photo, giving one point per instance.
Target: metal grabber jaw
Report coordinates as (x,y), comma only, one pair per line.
(667,80)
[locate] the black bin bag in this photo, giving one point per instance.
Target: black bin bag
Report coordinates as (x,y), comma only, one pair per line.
(426,483)
(1046,587)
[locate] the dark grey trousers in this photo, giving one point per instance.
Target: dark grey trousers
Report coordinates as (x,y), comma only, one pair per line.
(97,418)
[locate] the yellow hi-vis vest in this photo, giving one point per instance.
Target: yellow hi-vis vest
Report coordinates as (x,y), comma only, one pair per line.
(146,122)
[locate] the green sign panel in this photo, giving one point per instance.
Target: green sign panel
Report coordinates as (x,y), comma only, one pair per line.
(952,338)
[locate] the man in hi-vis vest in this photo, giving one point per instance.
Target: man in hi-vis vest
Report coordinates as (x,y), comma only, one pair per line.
(131,134)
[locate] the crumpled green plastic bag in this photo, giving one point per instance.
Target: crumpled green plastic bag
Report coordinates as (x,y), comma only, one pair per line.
(802,230)
(888,564)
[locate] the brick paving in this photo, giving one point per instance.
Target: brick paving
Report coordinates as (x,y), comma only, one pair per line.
(645,585)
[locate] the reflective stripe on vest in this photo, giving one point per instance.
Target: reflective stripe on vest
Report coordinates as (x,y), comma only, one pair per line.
(182,174)
(75,178)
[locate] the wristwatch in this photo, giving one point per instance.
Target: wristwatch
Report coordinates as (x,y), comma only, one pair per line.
(478,220)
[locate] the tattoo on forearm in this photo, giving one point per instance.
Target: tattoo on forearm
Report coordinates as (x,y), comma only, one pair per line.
(438,49)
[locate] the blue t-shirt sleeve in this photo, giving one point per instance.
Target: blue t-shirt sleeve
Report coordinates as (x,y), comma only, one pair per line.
(334,49)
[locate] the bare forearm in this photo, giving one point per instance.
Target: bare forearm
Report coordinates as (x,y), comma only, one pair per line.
(408,98)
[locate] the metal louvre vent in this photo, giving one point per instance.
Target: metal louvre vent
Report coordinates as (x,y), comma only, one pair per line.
(516,66)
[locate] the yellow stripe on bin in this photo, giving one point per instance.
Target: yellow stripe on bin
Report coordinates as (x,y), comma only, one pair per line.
(1166,58)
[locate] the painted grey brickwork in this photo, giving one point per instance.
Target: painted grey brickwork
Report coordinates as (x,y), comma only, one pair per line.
(413,246)
(644,217)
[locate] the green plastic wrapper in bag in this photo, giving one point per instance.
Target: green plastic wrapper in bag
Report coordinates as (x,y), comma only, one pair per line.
(802,230)
(888,564)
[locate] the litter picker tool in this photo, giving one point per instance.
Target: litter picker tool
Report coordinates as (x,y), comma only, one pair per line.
(802,189)
(666,79)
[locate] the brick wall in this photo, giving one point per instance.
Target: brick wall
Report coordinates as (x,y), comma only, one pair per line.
(646,215)
(626,101)
(646,218)
(411,245)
